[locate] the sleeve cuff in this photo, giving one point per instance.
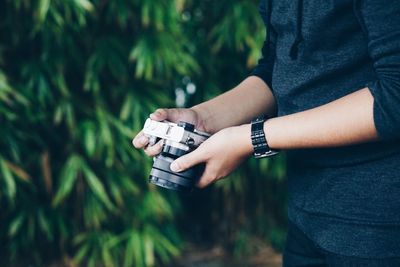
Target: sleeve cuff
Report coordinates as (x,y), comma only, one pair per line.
(263,74)
(386,122)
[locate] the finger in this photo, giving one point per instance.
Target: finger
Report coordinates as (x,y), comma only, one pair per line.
(140,140)
(159,115)
(154,150)
(188,160)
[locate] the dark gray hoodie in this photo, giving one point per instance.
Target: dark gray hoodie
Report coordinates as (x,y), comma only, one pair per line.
(347,199)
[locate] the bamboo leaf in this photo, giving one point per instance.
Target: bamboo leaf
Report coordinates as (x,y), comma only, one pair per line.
(107,258)
(46,170)
(137,249)
(129,256)
(81,253)
(85,4)
(89,138)
(68,177)
(15,225)
(97,186)
(149,250)
(45,225)
(44,6)
(10,186)
(18,171)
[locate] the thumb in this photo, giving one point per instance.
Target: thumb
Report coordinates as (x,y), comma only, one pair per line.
(187,161)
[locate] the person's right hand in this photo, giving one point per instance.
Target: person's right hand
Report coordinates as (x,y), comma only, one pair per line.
(172,115)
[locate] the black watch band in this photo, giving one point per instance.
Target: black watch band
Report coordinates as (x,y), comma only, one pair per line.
(260,144)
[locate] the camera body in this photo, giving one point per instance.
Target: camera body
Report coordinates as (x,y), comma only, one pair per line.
(178,140)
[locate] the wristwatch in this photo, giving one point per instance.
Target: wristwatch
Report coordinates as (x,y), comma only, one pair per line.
(260,144)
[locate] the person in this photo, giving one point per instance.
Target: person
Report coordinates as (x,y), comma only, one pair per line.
(329,83)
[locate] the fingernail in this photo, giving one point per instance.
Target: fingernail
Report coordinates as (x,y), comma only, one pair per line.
(157,113)
(175,167)
(143,140)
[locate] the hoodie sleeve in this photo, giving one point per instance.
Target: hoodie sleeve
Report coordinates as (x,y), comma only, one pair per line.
(380,20)
(266,63)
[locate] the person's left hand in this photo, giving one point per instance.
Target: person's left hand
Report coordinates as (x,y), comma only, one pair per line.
(221,153)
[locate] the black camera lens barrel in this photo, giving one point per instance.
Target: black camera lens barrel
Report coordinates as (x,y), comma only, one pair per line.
(162,175)
(173,152)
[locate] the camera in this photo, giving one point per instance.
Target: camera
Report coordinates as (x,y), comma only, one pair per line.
(178,139)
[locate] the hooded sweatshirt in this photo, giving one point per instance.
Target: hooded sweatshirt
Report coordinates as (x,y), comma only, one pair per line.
(346,199)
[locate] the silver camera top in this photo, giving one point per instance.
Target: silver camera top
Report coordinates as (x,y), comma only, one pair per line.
(183,133)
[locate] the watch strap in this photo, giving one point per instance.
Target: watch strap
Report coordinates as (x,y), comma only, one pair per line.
(258,139)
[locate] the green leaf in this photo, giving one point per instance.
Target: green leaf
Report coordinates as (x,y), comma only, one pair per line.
(85,4)
(45,225)
(10,186)
(81,253)
(68,177)
(135,248)
(107,258)
(149,250)
(44,6)
(97,186)
(129,256)
(89,138)
(15,225)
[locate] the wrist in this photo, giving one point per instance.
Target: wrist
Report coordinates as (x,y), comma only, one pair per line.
(203,118)
(270,133)
(242,139)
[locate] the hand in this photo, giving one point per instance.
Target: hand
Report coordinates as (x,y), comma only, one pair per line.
(221,153)
(172,115)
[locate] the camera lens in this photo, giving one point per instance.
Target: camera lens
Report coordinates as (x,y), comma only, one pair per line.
(162,175)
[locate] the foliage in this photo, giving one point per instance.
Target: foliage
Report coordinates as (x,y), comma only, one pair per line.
(77,80)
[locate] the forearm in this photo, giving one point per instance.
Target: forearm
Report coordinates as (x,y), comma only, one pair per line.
(249,99)
(346,121)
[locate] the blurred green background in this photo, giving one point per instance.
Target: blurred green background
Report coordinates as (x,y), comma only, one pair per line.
(77,80)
